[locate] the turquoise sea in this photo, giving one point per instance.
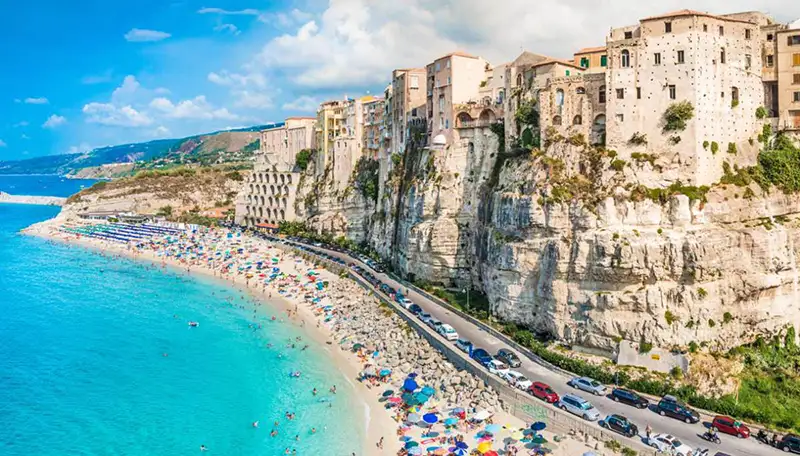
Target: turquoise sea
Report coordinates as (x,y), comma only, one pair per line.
(83,370)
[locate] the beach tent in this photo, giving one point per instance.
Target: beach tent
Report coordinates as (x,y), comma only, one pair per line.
(410,385)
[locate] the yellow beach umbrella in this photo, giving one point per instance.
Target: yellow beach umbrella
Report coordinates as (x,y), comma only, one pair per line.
(483,447)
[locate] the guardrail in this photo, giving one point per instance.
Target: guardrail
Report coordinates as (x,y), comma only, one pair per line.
(519,404)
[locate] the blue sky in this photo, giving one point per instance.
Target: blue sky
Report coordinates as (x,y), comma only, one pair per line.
(88,73)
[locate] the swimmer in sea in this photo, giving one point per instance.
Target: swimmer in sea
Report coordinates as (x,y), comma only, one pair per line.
(255,424)
(203,448)
(315,391)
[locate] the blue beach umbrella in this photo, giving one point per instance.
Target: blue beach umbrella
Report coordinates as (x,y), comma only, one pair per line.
(538,426)
(451,421)
(411,444)
(462,445)
(385,372)
(493,428)
(458,451)
(415,451)
(410,385)
(428,391)
(430,418)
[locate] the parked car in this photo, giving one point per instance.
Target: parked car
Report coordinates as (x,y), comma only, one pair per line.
(415,309)
(619,423)
(589,385)
(424,317)
(448,332)
(508,357)
(482,356)
(669,444)
(578,406)
(497,367)
(384,288)
(789,443)
(517,380)
(543,392)
(629,397)
(670,406)
(464,345)
(728,425)
(434,323)
(406,303)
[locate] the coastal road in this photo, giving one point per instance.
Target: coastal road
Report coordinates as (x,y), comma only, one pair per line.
(687,433)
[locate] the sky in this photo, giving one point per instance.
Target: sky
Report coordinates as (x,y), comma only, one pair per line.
(90,73)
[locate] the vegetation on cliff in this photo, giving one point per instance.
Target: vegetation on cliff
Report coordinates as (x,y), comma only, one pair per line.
(365,177)
(302,159)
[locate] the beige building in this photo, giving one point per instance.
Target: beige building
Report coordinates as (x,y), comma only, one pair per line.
(329,126)
(592,60)
(349,146)
(372,113)
(268,195)
(408,105)
(782,75)
(451,80)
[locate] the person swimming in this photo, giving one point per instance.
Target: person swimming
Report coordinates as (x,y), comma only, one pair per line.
(255,424)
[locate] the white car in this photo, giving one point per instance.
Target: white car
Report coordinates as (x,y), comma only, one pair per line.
(406,303)
(448,332)
(669,444)
(434,323)
(517,380)
(464,345)
(498,368)
(424,317)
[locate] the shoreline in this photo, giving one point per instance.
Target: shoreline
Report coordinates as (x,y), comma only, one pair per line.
(378,424)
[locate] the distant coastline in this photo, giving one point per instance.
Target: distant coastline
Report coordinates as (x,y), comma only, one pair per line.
(29,199)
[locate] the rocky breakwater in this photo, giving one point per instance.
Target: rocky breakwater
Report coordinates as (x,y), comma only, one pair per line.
(38,200)
(364,320)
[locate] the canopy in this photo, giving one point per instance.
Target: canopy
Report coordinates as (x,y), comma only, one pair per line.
(410,385)
(385,372)
(538,426)
(388,393)
(517,435)
(394,400)
(484,447)
(493,428)
(430,418)
(415,451)
(482,415)
(490,453)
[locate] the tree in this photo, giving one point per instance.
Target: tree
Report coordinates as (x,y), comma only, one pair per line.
(302,158)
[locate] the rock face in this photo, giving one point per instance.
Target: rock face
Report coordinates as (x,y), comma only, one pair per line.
(570,243)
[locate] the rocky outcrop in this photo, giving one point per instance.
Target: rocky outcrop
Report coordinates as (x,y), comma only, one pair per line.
(38,200)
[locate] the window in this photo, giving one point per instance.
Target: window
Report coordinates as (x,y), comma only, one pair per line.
(577,120)
(626,58)
(620,94)
(721,31)
(556,120)
(681,57)
(603,60)
(519,80)
(795,59)
(722,56)
(793,40)
(796,78)
(441,103)
(770,61)
(628,35)
(580,91)
(734,95)
(414,82)
(438,67)
(797,97)
(448,64)
(414,112)
(770,37)
(602,95)
(638,93)
(672,92)
(748,61)
(620,117)
(667,27)
(747,34)
(657,58)
(705,27)
(447,124)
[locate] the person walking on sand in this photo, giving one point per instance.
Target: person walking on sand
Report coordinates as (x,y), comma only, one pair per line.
(380,443)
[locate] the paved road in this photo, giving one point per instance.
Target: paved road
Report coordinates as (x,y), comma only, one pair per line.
(688,433)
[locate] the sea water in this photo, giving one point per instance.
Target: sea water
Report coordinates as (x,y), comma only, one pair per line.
(97,358)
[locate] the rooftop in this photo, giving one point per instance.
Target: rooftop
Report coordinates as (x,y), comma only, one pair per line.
(688,12)
(591,50)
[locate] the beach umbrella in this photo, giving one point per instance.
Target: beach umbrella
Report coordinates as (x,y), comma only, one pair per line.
(410,385)
(462,445)
(589,453)
(516,435)
(413,418)
(394,400)
(422,398)
(493,428)
(385,372)
(451,421)
(538,426)
(412,375)
(483,447)
(430,418)
(428,391)
(411,444)
(458,451)
(406,397)
(388,393)
(415,451)
(490,453)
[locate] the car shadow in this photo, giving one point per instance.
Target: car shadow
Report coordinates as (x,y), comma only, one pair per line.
(653,408)
(707,424)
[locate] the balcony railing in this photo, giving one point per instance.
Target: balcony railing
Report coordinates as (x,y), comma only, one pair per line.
(477,123)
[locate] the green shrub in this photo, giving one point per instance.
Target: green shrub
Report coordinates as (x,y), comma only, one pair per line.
(731,148)
(638,139)
(714,147)
(727,318)
(676,115)
(645,347)
(302,158)
(734,103)
(761,112)
(670,317)
(629,452)
(659,231)
(676,373)
(675,139)
(693,347)
(705,145)
(711,323)
(613,445)
(702,293)
(618,165)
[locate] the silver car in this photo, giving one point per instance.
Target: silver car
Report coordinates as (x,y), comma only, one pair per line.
(589,385)
(578,406)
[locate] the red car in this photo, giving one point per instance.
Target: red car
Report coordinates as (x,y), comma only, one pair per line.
(543,392)
(728,425)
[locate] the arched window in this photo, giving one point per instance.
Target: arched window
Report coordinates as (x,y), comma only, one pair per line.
(734,95)
(289,178)
(519,80)
(556,120)
(580,91)
(283,179)
(559,98)
(283,215)
(601,94)
(577,120)
(722,55)
(471,148)
(626,58)
(272,188)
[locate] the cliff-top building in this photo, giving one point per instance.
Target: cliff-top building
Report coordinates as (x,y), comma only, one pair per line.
(268,195)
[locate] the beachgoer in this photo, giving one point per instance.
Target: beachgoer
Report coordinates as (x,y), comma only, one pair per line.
(313,430)
(315,391)
(203,448)
(255,424)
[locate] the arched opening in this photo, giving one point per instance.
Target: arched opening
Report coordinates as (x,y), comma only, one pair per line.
(275,178)
(263,200)
(252,190)
(734,96)
(527,137)
(285,202)
(722,55)
(598,136)
(501,95)
(271,201)
(289,178)
(266,178)
(471,148)
(260,211)
(283,179)
(272,188)
(487,117)
(625,58)
(519,80)
(464,120)
(283,214)
(285,189)
(260,177)
(601,94)
(559,100)
(556,120)
(577,120)
(580,91)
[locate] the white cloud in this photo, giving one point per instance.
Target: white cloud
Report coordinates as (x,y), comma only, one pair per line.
(80,148)
(37,100)
(22,123)
(160,132)
(232,29)
(109,114)
(54,121)
(196,108)
(3,143)
(24,136)
(102,78)
(303,103)
(248,90)
(224,12)
(143,35)
(359,42)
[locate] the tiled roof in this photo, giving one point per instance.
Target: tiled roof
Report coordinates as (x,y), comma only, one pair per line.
(688,12)
(590,50)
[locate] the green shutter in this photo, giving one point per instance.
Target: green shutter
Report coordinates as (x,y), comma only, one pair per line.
(603,60)
(567,72)
(585,62)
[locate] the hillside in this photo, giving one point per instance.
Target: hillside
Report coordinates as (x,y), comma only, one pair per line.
(217,147)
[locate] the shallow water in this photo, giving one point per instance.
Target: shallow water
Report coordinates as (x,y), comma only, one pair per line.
(83,369)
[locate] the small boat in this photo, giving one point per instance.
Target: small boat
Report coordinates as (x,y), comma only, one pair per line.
(194,324)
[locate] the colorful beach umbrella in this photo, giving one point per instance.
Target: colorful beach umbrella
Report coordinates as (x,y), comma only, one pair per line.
(462,445)
(428,391)
(394,400)
(538,426)
(483,447)
(388,393)
(415,451)
(517,435)
(451,421)
(430,418)
(493,428)
(411,444)
(410,385)
(458,451)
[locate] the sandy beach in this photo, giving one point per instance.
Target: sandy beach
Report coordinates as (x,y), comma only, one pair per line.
(387,429)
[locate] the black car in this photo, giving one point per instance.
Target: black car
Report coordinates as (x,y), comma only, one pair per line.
(508,357)
(629,397)
(415,309)
(619,423)
(789,443)
(673,408)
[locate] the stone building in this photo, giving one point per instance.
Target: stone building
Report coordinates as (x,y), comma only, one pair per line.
(348,145)
(781,74)
(330,125)
(408,104)
(268,195)
(592,60)
(372,113)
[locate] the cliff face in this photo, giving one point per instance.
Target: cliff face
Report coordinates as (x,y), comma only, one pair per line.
(571,242)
